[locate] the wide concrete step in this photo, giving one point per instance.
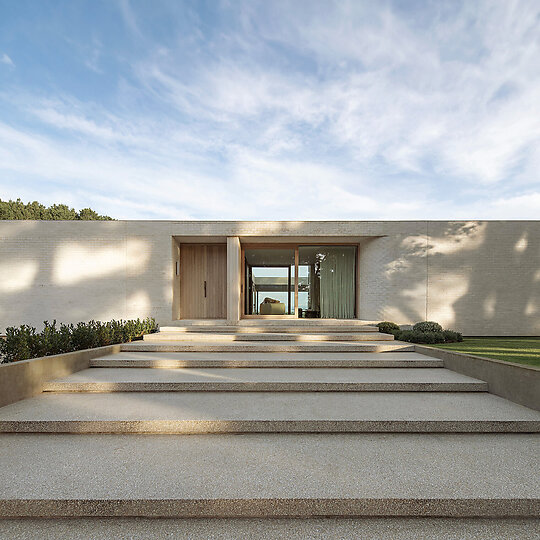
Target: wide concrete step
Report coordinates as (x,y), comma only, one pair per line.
(268,412)
(264,322)
(266,336)
(319,528)
(172,360)
(268,346)
(256,475)
(266,328)
(266,380)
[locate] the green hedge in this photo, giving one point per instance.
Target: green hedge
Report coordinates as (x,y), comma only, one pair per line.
(446,336)
(388,327)
(24,342)
(428,332)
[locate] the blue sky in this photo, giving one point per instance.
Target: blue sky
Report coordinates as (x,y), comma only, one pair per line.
(273,110)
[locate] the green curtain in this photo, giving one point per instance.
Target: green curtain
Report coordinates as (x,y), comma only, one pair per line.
(337,282)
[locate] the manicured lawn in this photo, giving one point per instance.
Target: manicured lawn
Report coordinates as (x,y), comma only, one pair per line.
(522,350)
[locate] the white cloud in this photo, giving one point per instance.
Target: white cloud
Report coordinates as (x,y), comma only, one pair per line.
(414,99)
(5,59)
(129,16)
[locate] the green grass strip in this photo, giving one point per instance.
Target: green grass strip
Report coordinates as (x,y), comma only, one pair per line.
(521,350)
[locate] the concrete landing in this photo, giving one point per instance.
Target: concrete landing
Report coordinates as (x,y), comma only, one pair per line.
(263,323)
(273,475)
(271,327)
(277,528)
(273,346)
(140,358)
(207,337)
(266,380)
(264,412)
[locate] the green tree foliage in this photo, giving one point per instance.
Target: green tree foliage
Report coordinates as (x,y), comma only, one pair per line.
(34,210)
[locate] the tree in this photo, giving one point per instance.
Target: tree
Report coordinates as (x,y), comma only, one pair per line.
(34,210)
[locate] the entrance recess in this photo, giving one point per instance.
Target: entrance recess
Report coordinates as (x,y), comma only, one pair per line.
(203,281)
(303,281)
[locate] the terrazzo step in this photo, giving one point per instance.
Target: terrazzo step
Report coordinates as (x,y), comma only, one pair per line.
(266,475)
(173,360)
(267,412)
(266,380)
(264,322)
(266,328)
(269,346)
(344,528)
(267,336)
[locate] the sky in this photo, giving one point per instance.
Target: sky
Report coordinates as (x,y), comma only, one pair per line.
(299,110)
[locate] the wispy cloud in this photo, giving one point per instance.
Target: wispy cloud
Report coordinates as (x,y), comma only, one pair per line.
(5,59)
(129,16)
(94,57)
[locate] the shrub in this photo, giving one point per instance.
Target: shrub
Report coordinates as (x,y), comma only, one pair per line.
(452,337)
(84,336)
(429,338)
(387,327)
(23,342)
(427,326)
(53,340)
(413,336)
(20,343)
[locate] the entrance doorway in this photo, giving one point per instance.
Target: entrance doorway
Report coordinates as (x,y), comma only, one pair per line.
(203,281)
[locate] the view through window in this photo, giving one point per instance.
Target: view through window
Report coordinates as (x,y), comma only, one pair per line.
(322,278)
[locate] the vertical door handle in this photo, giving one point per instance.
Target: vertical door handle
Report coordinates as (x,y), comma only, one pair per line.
(205,289)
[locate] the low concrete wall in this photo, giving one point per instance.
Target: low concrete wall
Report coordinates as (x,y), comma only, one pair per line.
(24,379)
(516,382)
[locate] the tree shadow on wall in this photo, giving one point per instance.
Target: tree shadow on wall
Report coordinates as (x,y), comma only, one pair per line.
(504,286)
(95,282)
(484,277)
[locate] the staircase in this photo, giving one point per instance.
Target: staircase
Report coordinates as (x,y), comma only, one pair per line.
(334,423)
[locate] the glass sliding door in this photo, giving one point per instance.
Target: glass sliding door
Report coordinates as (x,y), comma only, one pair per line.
(269,281)
(327,282)
(302,281)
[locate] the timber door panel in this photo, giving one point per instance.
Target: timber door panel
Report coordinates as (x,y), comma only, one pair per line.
(203,281)
(216,281)
(192,271)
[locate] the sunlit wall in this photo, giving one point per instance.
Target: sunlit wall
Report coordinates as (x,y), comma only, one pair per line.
(481,278)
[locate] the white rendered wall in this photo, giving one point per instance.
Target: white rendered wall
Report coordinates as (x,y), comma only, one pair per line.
(77,271)
(482,278)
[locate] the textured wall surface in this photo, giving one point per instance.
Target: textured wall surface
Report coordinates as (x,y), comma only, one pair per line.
(482,278)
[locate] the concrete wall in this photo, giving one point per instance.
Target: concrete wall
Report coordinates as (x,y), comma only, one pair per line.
(24,379)
(482,278)
(518,383)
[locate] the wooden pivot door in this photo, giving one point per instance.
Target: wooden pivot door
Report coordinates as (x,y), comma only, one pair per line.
(203,281)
